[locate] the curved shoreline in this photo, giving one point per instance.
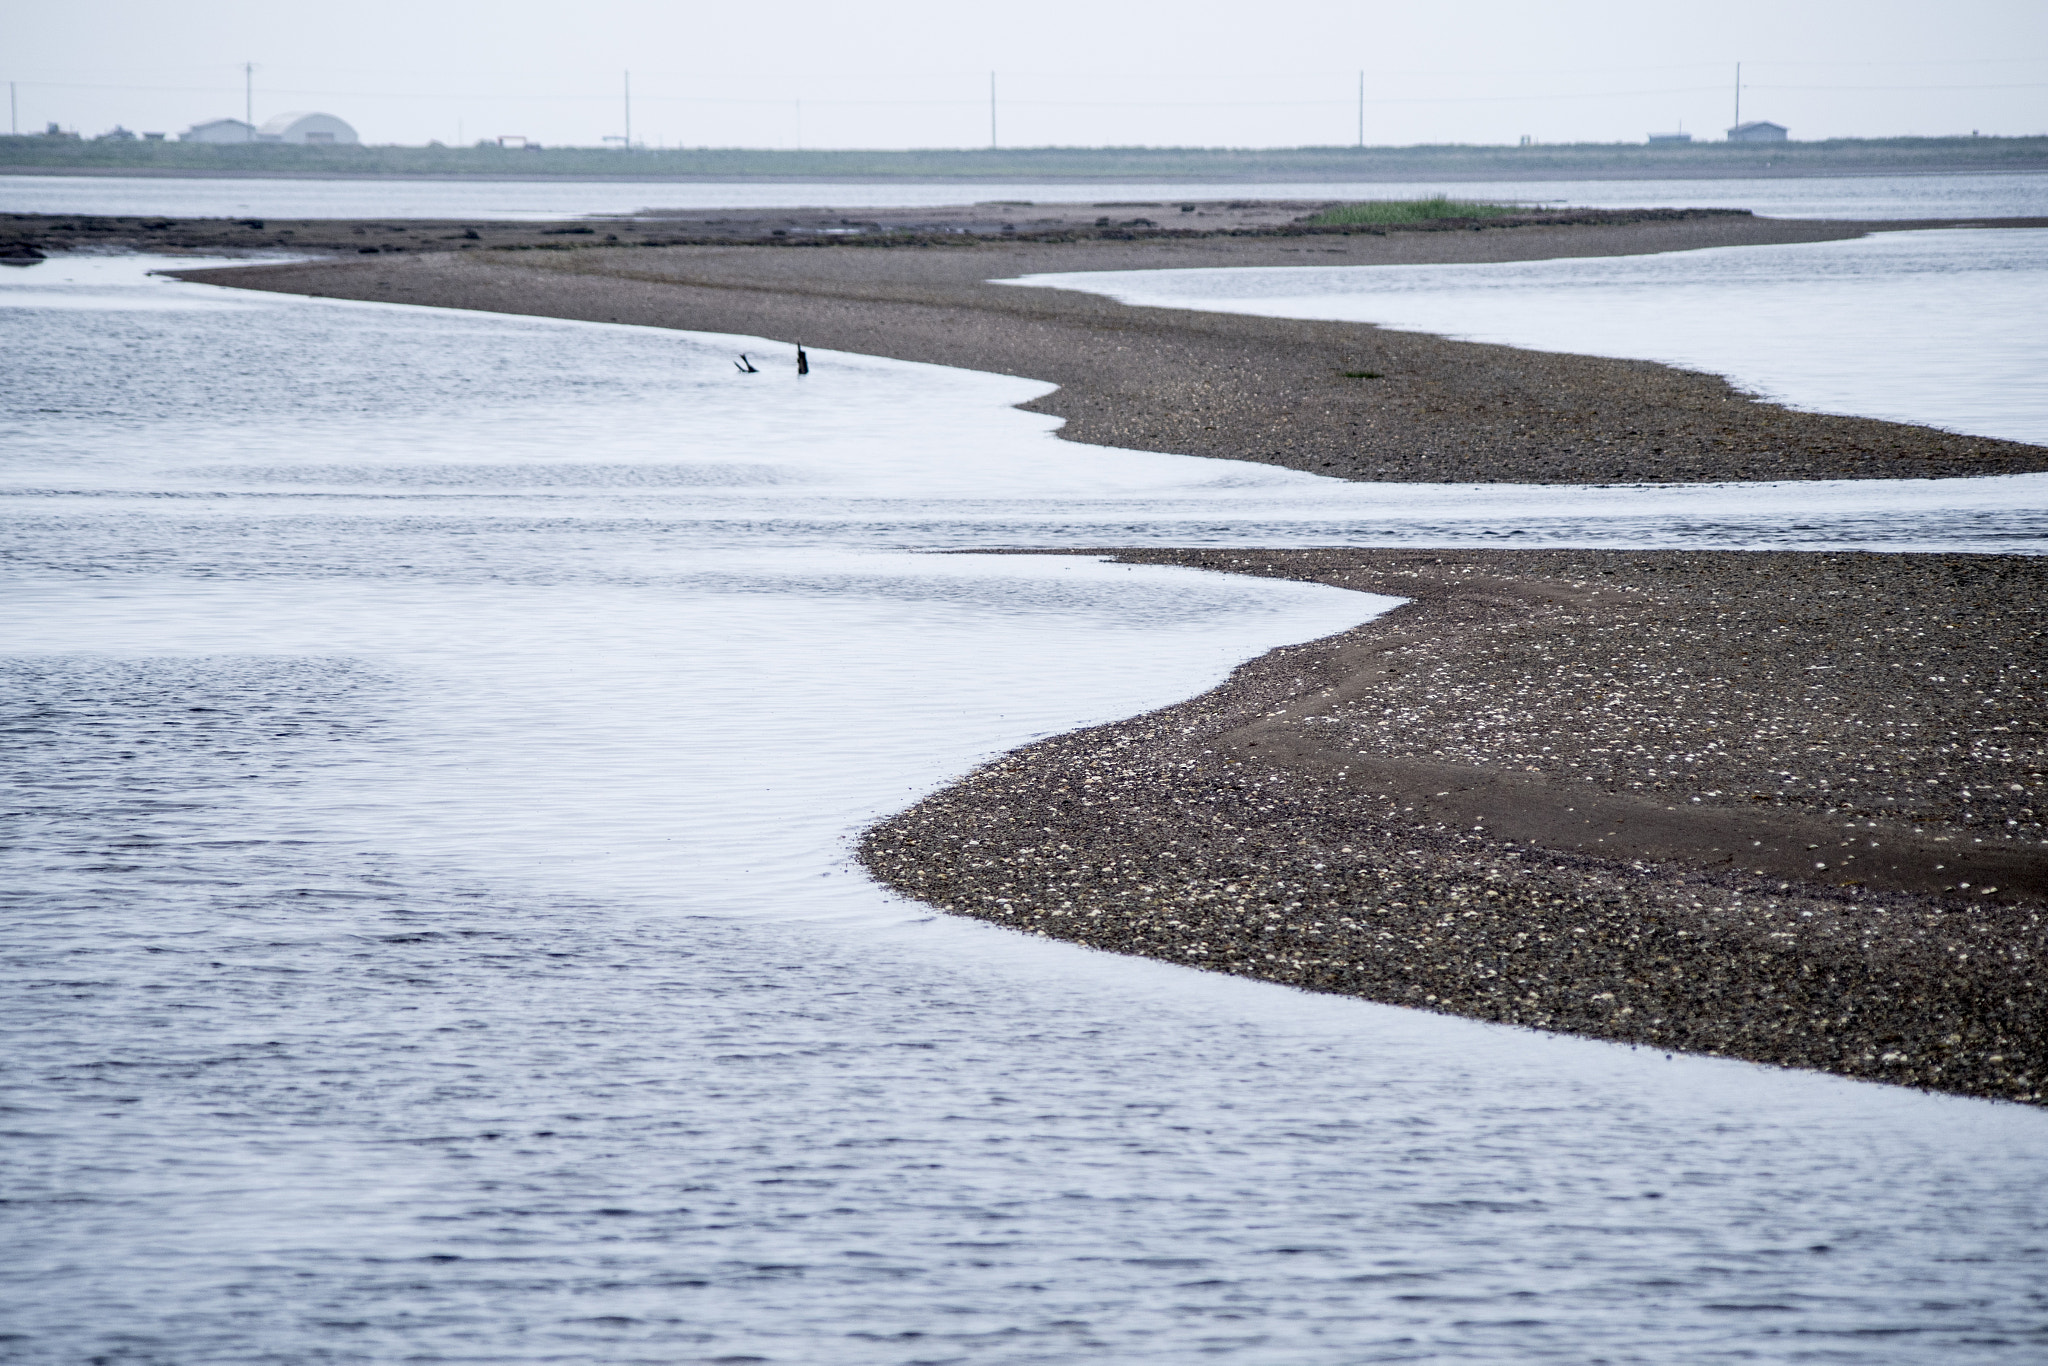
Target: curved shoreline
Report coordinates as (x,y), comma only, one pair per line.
(1549,792)
(1277,828)
(1231,386)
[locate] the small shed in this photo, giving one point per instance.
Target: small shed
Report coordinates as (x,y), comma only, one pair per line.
(302,129)
(219,130)
(1758,131)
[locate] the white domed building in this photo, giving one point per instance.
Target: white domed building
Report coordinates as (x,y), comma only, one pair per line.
(304,129)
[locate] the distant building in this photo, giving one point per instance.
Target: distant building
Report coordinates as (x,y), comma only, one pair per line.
(1758,131)
(219,130)
(1656,138)
(301,129)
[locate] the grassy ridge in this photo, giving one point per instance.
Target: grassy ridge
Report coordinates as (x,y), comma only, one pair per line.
(1410,211)
(1620,160)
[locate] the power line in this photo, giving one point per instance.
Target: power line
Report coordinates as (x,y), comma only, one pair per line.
(952,103)
(584,97)
(784,74)
(2024,85)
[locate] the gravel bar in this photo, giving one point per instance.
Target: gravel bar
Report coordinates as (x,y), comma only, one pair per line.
(1275,390)
(1782,807)
(1774,806)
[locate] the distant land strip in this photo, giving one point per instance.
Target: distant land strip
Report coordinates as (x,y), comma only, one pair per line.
(45,155)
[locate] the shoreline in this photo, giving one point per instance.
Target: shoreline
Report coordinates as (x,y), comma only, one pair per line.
(1556,790)
(1590,792)
(1077,179)
(1793,158)
(1349,400)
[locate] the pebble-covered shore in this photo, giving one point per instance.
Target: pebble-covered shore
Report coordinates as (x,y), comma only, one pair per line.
(1276,390)
(1782,807)
(1778,807)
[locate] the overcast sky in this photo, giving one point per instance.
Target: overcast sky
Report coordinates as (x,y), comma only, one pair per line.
(827,73)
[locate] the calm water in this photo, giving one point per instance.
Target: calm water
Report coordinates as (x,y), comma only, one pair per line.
(436,741)
(1940,328)
(1941,196)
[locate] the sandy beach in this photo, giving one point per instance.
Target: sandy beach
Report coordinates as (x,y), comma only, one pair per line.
(1780,807)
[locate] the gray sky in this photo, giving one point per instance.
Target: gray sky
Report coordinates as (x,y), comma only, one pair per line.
(1091,72)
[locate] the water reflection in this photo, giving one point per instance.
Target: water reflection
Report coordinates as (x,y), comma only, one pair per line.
(2022,195)
(435,740)
(1940,329)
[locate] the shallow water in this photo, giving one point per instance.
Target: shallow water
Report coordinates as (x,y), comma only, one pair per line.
(1939,328)
(209,425)
(436,742)
(1931,196)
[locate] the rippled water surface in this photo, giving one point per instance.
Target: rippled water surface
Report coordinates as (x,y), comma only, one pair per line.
(434,743)
(1928,196)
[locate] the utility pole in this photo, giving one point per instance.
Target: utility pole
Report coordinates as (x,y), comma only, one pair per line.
(249,100)
(992,144)
(1361,111)
(13,111)
(1738,94)
(629,110)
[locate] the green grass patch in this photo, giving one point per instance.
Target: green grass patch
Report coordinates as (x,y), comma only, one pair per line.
(1410,211)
